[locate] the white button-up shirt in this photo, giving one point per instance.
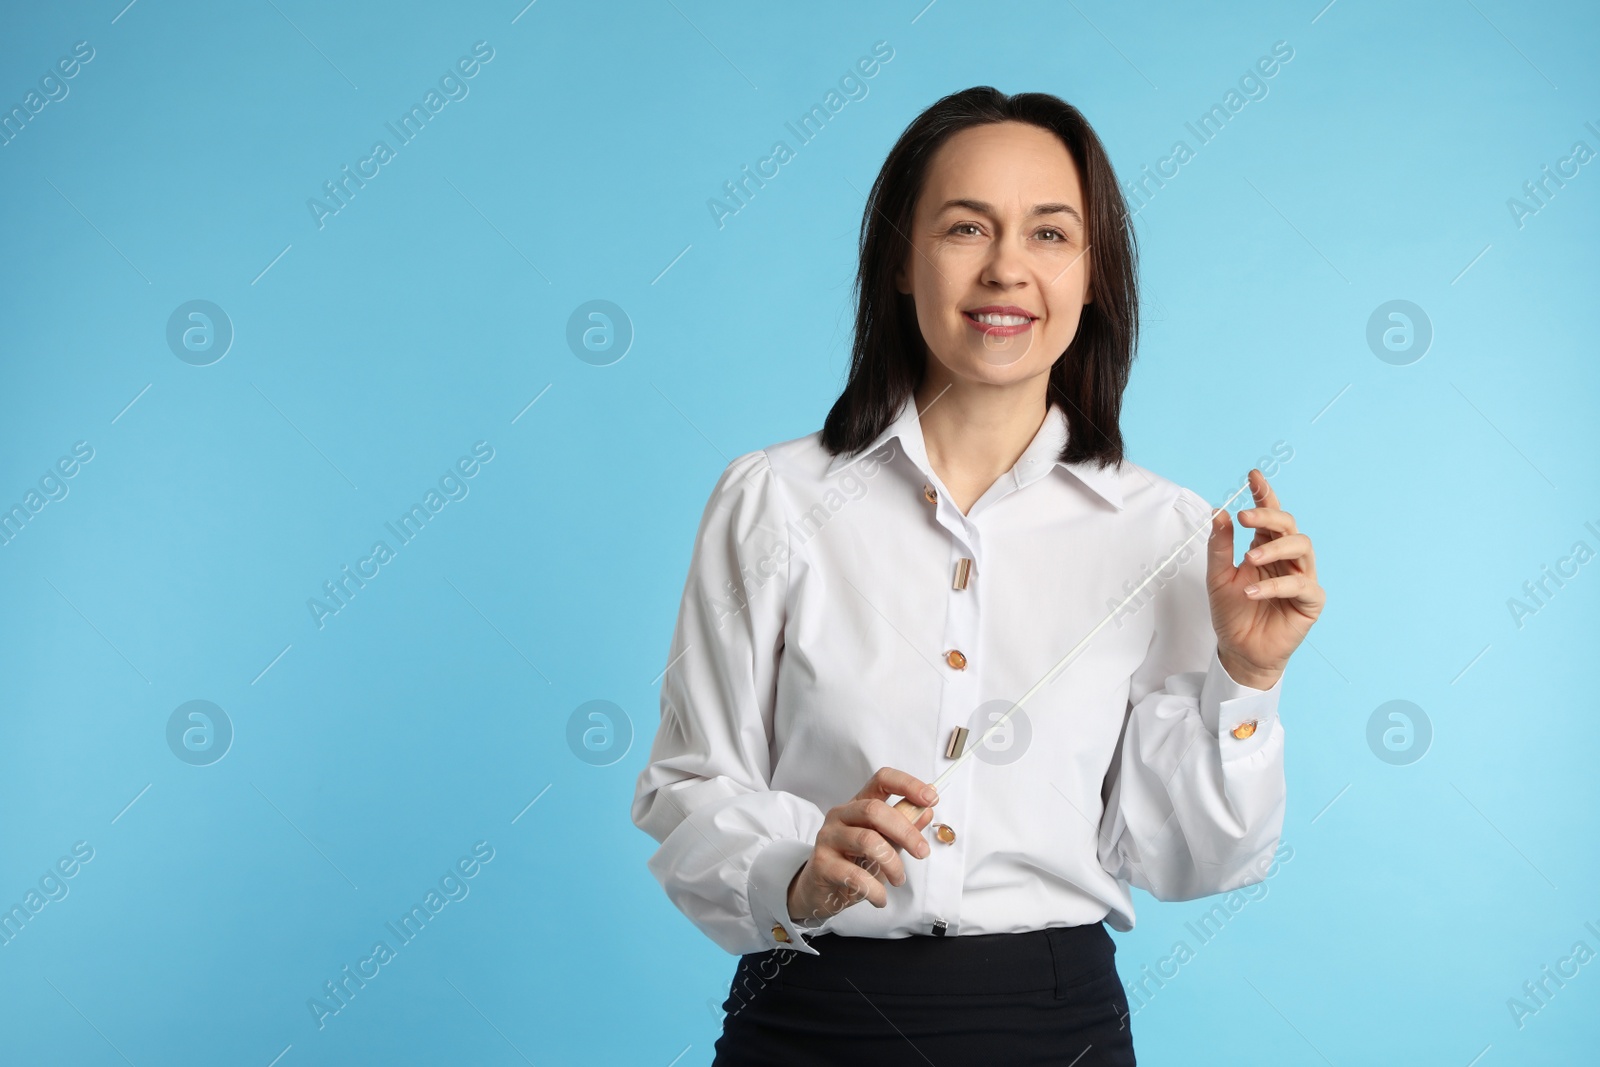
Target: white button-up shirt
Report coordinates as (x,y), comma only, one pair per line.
(813,646)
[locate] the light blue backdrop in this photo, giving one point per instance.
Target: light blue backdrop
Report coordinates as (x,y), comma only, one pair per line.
(373,347)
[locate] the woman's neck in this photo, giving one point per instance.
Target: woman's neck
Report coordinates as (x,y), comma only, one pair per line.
(975,433)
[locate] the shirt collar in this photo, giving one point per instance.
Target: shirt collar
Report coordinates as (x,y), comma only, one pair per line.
(1040,457)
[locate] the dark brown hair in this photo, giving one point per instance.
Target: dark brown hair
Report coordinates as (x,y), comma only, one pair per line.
(887,360)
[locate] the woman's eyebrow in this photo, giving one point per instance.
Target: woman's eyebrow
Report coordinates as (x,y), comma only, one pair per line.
(1038,209)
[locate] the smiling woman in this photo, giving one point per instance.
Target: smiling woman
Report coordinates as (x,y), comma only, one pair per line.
(924,234)
(996,323)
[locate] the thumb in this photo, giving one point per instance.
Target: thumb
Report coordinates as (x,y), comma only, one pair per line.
(1219,554)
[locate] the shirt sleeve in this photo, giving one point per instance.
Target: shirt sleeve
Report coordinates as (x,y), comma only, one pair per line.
(730,843)
(1191,807)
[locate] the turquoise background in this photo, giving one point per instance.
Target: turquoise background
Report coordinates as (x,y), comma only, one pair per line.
(432,711)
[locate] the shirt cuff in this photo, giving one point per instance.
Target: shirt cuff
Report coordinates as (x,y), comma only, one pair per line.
(770,875)
(1239,717)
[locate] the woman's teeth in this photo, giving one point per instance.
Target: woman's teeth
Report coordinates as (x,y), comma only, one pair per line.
(1001,320)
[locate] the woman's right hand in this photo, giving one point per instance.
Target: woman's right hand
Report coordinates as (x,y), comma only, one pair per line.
(858,848)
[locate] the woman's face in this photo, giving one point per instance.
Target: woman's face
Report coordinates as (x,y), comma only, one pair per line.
(999,234)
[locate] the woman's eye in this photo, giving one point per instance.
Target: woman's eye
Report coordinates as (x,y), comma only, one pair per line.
(1058,234)
(963,226)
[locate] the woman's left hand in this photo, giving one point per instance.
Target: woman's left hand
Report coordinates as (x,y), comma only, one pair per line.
(1262,608)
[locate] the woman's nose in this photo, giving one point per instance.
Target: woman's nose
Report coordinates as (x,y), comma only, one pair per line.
(1004,266)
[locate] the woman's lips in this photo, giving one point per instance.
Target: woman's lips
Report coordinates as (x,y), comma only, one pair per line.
(993,330)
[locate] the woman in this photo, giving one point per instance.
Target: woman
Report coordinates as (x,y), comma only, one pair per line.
(861,596)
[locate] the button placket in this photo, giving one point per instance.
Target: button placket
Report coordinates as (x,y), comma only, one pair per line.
(960,666)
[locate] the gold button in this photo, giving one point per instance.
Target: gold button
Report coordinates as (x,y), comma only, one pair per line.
(944,833)
(955,659)
(780,934)
(1244,729)
(929,495)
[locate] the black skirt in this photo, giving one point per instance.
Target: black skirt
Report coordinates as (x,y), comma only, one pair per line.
(1047,996)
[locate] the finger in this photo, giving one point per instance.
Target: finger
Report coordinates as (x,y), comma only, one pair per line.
(1262,489)
(879,871)
(1219,550)
(864,844)
(924,812)
(1296,547)
(1285,587)
(892,826)
(889,781)
(924,815)
(848,883)
(1272,520)
(867,847)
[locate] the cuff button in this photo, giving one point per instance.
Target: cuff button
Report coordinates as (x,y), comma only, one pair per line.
(780,934)
(1244,729)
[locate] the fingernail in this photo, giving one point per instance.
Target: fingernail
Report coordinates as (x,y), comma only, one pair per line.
(1254,553)
(930,795)
(1251,590)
